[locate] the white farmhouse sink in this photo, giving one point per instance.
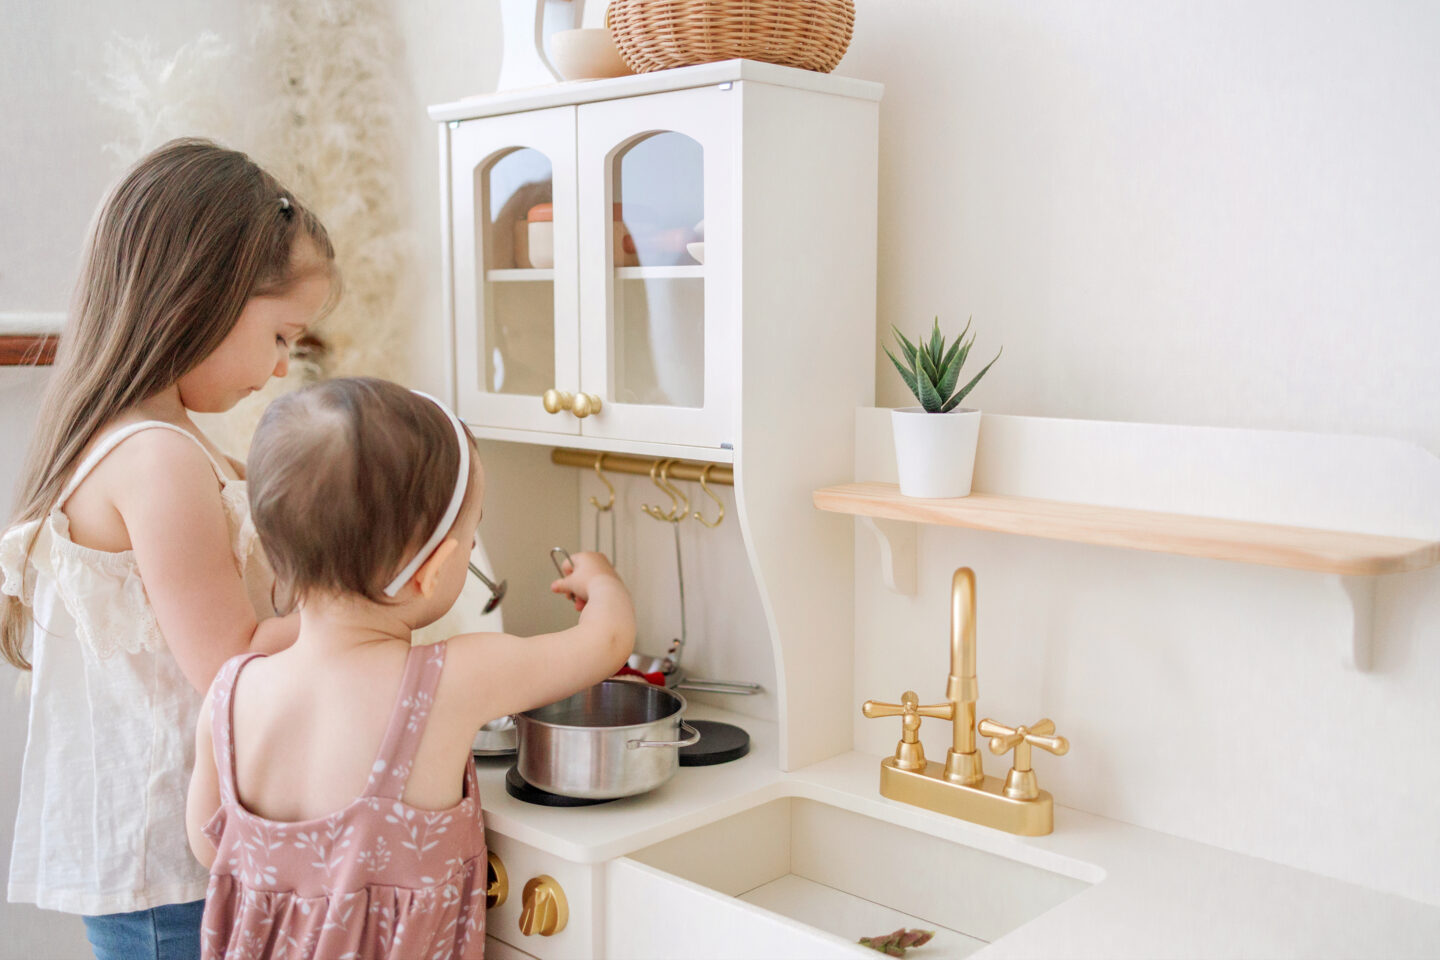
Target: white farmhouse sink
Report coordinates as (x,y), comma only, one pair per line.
(800,878)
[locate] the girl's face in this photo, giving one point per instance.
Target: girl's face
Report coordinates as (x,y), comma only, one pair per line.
(258,346)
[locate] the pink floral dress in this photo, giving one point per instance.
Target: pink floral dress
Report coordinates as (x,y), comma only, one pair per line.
(377,879)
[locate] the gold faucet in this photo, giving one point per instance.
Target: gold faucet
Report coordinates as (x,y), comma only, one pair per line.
(959,787)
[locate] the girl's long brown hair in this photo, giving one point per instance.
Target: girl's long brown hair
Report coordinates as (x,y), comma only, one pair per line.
(177,248)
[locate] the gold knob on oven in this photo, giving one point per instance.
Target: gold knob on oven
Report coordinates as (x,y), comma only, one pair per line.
(585,404)
(497,882)
(557,400)
(544,909)
(1020,783)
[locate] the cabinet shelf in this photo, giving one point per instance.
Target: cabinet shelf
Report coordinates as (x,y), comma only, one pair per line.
(529,275)
(1300,548)
(692,272)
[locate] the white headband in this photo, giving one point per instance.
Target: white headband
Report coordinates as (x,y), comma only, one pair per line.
(447,519)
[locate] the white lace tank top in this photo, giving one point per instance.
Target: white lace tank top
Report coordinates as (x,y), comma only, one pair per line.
(101,822)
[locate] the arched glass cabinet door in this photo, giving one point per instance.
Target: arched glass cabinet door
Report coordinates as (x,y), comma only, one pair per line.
(659,337)
(515,281)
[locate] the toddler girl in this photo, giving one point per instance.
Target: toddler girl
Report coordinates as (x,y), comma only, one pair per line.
(130,563)
(334,796)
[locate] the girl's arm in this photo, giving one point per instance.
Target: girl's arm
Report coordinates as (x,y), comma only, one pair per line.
(204,798)
(505,674)
(173,514)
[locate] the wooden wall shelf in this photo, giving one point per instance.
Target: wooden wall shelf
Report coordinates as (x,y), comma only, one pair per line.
(27,350)
(1300,548)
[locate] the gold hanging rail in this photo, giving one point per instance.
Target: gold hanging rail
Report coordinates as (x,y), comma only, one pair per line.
(721,473)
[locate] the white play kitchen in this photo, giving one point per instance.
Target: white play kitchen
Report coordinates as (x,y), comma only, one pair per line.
(662,291)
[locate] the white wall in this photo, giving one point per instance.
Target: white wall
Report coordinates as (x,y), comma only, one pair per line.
(1221,214)
(1213,214)
(53,171)
(25,932)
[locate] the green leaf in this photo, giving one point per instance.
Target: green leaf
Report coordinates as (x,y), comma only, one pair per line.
(927,367)
(905,375)
(937,344)
(949,372)
(950,357)
(930,398)
(955,400)
(968,321)
(909,348)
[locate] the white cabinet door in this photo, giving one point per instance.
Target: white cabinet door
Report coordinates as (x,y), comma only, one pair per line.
(515,292)
(659,333)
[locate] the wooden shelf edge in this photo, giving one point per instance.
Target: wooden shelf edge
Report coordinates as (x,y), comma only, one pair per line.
(1300,548)
(27,350)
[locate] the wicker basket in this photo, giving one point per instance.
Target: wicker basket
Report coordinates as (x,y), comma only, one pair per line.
(660,34)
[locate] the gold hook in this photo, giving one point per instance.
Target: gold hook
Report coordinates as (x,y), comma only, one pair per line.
(600,472)
(679,495)
(656,512)
(704,485)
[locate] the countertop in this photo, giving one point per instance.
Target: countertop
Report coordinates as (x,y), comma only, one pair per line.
(1153,895)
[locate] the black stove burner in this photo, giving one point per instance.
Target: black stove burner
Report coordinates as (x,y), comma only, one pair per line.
(517,787)
(719,743)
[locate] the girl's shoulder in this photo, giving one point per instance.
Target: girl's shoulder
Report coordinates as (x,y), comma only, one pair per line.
(135,471)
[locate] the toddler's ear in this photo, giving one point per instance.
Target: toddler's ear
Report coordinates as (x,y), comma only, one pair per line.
(430,570)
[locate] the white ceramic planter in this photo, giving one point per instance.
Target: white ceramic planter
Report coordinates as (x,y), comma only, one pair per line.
(935,452)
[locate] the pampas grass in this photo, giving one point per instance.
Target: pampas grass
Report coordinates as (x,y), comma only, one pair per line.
(326,121)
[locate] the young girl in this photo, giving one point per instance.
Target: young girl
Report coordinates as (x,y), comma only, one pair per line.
(131,561)
(334,795)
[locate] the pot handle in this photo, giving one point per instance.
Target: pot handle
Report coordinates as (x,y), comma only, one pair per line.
(693,738)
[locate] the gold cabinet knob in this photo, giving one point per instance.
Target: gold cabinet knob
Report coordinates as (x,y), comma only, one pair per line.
(585,404)
(557,400)
(497,881)
(1020,783)
(909,754)
(544,909)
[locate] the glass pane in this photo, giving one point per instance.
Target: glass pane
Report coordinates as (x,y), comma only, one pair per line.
(658,335)
(519,288)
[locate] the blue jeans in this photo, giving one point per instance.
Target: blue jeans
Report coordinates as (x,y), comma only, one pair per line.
(171,932)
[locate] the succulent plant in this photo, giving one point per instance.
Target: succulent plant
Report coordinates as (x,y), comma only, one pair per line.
(932,372)
(895,944)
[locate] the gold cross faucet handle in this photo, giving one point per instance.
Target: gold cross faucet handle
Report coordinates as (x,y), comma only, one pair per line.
(909,754)
(1020,783)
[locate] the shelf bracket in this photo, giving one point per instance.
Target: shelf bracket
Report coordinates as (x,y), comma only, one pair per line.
(1357,594)
(896,539)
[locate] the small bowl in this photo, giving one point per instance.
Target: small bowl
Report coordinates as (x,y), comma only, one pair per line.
(586,54)
(696,250)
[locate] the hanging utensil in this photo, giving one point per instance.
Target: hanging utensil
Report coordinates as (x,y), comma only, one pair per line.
(607,507)
(674,676)
(497,591)
(677,646)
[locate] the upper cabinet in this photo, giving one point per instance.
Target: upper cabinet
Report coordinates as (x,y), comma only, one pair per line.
(517,322)
(596,238)
(682,264)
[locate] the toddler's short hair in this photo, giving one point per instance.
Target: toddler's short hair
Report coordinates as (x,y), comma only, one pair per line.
(346,479)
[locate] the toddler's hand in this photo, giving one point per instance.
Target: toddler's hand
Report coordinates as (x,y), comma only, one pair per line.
(586,568)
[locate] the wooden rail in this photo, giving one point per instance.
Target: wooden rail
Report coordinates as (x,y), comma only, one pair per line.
(27,350)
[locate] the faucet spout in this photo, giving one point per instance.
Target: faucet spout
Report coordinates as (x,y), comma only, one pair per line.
(962,760)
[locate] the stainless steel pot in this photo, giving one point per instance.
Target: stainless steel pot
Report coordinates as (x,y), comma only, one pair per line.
(495,739)
(616,739)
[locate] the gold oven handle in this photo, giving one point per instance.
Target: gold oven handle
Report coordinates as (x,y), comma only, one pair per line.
(497,882)
(545,911)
